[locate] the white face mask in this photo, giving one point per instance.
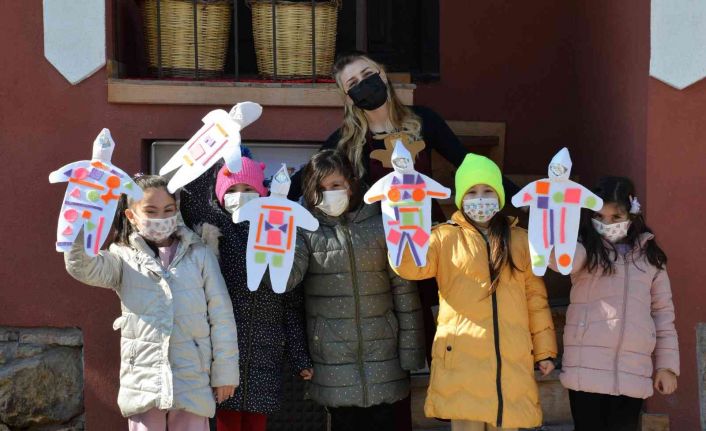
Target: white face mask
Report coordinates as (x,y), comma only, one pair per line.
(481,209)
(613,232)
(235,201)
(156,229)
(335,202)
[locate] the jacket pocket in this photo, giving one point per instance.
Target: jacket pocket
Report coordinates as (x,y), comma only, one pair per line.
(132,355)
(443,347)
(316,337)
(393,323)
(204,362)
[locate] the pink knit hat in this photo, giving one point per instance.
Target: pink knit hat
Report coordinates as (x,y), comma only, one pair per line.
(252,174)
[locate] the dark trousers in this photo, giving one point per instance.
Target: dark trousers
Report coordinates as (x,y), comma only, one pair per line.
(379,417)
(603,412)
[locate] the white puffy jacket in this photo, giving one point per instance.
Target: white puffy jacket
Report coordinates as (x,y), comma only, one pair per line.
(178,335)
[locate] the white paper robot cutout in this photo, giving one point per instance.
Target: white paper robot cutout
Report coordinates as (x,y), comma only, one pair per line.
(92,196)
(272,235)
(405,197)
(218,138)
(555,211)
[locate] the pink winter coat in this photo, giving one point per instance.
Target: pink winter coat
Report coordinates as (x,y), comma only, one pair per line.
(615,323)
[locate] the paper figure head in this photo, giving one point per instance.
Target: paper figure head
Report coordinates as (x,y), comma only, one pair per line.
(280,182)
(401,158)
(560,166)
(245,113)
(390,141)
(474,170)
(103,146)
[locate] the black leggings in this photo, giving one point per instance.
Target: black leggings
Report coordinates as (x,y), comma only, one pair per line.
(603,412)
(379,417)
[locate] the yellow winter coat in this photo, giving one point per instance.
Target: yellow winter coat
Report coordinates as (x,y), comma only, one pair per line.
(485,346)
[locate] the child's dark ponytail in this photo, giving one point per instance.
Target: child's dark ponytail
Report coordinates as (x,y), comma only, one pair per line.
(121,225)
(499,253)
(620,191)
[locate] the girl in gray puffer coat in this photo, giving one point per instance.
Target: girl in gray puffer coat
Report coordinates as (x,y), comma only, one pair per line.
(364,323)
(178,343)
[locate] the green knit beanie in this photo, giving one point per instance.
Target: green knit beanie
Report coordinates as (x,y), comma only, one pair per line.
(477,169)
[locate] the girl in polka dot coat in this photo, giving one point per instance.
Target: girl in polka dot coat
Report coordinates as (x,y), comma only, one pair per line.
(270,325)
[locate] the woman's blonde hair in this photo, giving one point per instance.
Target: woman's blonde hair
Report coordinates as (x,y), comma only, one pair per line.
(355,126)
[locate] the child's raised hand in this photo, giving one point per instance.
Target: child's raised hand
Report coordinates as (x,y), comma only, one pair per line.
(546,366)
(222,393)
(307,373)
(665,382)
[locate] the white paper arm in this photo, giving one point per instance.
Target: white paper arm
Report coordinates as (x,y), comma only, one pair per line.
(435,187)
(517,200)
(58,175)
(377,191)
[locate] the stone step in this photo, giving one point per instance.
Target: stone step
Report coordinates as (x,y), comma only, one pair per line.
(556,427)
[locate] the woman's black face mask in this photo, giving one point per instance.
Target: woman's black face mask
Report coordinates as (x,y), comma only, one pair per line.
(370,93)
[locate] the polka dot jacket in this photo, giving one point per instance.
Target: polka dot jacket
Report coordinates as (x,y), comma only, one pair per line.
(270,326)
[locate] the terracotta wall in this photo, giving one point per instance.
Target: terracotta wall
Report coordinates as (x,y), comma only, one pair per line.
(612,54)
(676,180)
(509,61)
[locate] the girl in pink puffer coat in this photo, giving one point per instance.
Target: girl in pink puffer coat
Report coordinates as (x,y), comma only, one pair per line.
(621,314)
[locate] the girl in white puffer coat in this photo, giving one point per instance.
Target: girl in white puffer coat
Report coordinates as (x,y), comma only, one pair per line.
(178,345)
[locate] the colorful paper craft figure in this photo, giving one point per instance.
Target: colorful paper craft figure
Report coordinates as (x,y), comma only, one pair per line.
(405,197)
(218,138)
(555,211)
(272,235)
(92,196)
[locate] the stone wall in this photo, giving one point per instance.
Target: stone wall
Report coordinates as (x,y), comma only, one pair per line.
(701,363)
(41,379)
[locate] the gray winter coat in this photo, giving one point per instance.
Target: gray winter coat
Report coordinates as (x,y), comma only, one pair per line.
(364,323)
(178,336)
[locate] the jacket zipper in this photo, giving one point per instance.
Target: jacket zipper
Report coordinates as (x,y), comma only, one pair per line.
(246,365)
(622,329)
(356,296)
(496,341)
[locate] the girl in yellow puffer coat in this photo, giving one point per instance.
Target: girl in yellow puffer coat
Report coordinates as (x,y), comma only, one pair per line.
(494,321)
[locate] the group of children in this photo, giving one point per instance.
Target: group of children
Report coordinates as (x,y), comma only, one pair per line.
(351,323)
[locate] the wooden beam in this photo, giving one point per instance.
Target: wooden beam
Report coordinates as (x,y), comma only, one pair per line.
(221,93)
(361,25)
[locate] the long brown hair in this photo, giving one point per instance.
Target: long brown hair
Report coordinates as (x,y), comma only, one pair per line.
(600,256)
(355,126)
(499,252)
(122,226)
(323,164)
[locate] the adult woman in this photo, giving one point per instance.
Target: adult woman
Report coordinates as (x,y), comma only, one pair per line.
(372,110)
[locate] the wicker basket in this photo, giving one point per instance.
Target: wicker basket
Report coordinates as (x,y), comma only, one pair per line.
(177,36)
(294,56)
